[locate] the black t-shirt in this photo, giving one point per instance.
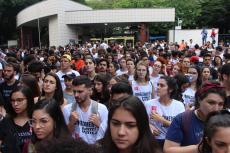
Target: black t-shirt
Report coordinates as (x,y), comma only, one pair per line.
(13,136)
(6,91)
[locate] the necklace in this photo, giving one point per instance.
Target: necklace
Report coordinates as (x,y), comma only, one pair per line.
(199,115)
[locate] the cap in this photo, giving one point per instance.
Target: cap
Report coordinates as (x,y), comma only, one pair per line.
(69,76)
(67,56)
(194,59)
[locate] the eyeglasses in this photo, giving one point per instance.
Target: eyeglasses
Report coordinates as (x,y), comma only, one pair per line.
(42,122)
(159,66)
(18,100)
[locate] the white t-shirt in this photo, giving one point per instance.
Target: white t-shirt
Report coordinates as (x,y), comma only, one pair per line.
(155,80)
(60,74)
(119,72)
(168,112)
(188,96)
(85,129)
(143,92)
(131,78)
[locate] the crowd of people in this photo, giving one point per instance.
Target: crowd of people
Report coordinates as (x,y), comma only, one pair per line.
(112,98)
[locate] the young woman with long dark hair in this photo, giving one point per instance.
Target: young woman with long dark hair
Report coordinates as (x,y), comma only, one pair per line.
(52,89)
(162,110)
(15,131)
(128,128)
(100,90)
(216,138)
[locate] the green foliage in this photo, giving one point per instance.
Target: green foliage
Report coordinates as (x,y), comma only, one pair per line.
(216,13)
(8,12)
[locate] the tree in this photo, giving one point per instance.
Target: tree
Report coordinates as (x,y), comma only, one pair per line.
(187,11)
(8,12)
(215,13)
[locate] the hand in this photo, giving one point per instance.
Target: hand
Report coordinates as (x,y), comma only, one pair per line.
(154,130)
(2,113)
(73,118)
(156,117)
(95,119)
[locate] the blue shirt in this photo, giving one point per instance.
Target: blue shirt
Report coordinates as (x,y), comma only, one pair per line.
(195,132)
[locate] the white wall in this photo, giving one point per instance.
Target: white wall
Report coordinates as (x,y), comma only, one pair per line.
(194,34)
(121,15)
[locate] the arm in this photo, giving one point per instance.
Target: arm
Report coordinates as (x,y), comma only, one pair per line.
(155,116)
(103,112)
(174,147)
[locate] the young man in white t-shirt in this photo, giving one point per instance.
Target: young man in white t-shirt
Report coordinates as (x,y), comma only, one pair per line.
(86,119)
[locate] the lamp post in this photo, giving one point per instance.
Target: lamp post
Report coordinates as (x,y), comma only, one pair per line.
(105,28)
(39,34)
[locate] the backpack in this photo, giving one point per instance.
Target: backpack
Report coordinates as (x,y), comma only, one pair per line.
(186,124)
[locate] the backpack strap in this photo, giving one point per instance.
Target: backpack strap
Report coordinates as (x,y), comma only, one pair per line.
(94,108)
(74,107)
(153,89)
(186,123)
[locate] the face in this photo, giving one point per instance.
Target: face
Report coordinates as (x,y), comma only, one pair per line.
(218,60)
(193,72)
(81,93)
(186,62)
(175,70)
(207,60)
(90,66)
(110,59)
(141,71)
(206,73)
(111,83)
(8,73)
(145,60)
(220,142)
(102,66)
(98,86)
(68,83)
(49,84)
(226,81)
(111,69)
(213,102)
(127,56)
(65,64)
(157,66)
(19,102)
(37,75)
(123,63)
(162,88)
(130,65)
(124,130)
(43,124)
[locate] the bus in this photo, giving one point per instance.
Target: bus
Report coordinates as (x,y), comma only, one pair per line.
(95,40)
(126,40)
